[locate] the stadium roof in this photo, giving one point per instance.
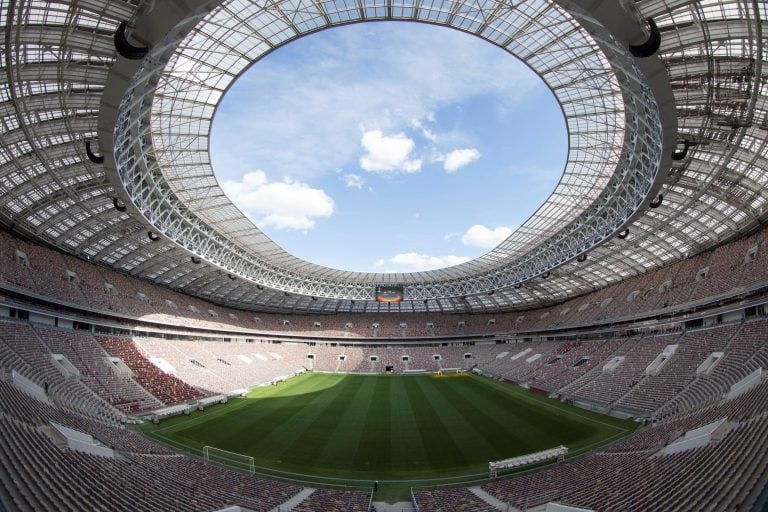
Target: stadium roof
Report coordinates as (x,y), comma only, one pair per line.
(153,209)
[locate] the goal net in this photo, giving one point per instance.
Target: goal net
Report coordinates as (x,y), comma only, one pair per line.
(231,459)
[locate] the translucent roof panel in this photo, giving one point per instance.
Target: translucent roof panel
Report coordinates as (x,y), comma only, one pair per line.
(591,80)
(59,58)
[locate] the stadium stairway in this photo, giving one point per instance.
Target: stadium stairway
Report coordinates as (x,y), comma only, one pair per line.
(491,500)
(288,505)
(399,506)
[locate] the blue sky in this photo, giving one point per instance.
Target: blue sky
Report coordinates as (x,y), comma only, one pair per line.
(388,147)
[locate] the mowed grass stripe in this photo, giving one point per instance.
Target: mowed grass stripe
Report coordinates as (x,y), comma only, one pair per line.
(408,451)
(272,439)
(341,444)
(388,427)
(545,421)
(502,431)
(307,437)
(375,445)
(249,425)
(298,386)
(266,428)
(531,427)
(464,429)
(571,413)
(436,437)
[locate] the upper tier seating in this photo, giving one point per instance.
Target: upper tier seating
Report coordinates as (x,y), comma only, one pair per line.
(729,269)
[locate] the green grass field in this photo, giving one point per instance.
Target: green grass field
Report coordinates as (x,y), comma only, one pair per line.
(388,427)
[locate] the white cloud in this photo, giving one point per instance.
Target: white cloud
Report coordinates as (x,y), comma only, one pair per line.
(353,181)
(388,153)
(458,158)
(315,93)
(413,262)
(286,205)
(426,132)
(485,238)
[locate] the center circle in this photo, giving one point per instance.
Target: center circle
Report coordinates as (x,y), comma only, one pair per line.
(408,146)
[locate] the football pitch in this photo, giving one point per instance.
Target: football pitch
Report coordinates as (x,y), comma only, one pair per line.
(417,428)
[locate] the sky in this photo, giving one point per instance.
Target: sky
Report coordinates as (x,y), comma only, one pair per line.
(388,146)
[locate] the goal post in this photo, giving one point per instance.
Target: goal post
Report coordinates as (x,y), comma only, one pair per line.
(231,459)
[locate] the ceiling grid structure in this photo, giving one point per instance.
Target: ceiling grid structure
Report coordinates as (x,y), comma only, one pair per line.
(611,167)
(58,59)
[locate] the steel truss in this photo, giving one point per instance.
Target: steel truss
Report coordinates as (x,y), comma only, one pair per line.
(59,65)
(160,141)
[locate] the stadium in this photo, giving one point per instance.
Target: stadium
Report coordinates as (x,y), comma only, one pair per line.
(159,351)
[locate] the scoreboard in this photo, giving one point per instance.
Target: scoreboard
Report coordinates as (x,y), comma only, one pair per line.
(387,293)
